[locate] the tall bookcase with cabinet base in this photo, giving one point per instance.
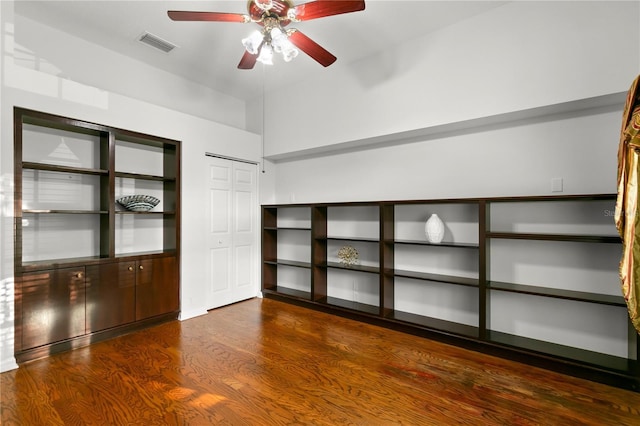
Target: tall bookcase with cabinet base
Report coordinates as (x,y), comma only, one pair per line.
(86,268)
(532,279)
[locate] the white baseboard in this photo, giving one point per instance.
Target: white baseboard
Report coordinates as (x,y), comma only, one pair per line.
(8,364)
(185,315)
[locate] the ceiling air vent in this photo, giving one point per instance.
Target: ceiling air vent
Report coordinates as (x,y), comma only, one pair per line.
(156,42)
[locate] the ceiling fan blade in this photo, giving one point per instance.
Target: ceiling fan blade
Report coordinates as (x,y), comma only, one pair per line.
(311,48)
(322,8)
(248,61)
(181,15)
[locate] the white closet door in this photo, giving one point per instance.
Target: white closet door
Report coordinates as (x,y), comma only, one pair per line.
(231,234)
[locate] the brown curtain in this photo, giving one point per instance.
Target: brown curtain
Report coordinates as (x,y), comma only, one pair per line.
(626,214)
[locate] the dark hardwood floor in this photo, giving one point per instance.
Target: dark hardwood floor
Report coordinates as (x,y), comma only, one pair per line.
(264,362)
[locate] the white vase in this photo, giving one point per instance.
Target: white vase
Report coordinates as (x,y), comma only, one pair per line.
(434,229)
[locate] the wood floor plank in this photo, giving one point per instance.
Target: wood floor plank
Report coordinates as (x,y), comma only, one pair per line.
(264,362)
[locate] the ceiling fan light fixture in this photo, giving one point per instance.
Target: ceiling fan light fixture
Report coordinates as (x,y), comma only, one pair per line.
(290,53)
(279,40)
(281,44)
(266,54)
(252,42)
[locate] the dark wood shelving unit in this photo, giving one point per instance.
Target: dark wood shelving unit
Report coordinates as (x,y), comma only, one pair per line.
(291,228)
(292,263)
(434,324)
(63,169)
(556,237)
(570,354)
(144,177)
(425,276)
(57,211)
(271,261)
(298,294)
(349,304)
(358,268)
(100,290)
(578,296)
(442,244)
(164,213)
(354,239)
(475,283)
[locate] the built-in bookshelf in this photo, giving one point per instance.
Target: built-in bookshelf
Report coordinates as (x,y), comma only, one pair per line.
(85,266)
(529,278)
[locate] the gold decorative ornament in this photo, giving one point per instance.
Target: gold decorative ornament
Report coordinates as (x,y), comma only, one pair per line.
(348,255)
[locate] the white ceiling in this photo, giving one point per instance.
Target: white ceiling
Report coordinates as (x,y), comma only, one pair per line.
(209,52)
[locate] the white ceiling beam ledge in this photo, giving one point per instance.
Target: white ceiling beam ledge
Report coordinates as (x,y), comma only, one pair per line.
(583,106)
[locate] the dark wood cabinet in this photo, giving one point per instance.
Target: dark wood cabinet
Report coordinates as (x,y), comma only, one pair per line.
(528,278)
(126,291)
(52,303)
(111,296)
(86,267)
(154,293)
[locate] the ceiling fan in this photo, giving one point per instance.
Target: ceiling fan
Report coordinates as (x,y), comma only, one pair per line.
(274,16)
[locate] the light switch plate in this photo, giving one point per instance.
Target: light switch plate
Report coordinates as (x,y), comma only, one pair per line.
(556,185)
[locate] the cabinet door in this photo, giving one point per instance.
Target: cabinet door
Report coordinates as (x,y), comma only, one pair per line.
(157,290)
(53,306)
(111,292)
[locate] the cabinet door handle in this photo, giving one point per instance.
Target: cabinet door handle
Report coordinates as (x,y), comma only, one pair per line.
(141,267)
(130,268)
(79,275)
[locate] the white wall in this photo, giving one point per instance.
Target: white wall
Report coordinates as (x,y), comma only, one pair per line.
(517,158)
(52,51)
(519,56)
(31,88)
